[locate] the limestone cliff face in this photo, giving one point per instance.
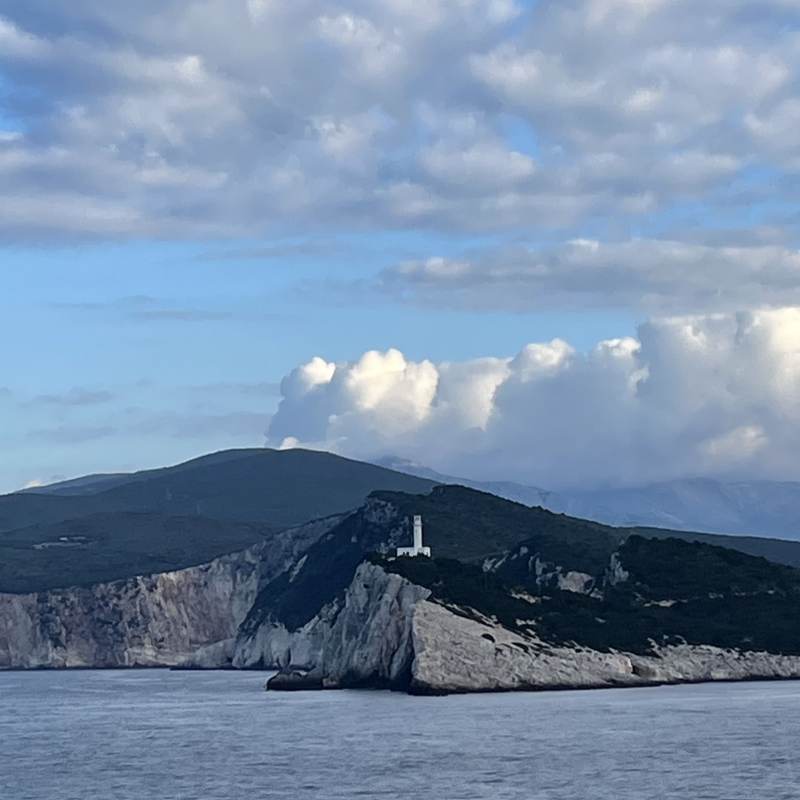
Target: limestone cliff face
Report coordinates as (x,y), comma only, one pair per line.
(454,653)
(154,620)
(187,617)
(316,582)
(388,632)
(363,639)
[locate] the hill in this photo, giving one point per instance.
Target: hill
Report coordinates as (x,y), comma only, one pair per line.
(108,547)
(275,487)
(86,484)
(486,534)
(669,592)
(224,501)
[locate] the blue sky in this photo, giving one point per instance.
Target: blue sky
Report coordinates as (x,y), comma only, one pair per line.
(193,329)
(185,222)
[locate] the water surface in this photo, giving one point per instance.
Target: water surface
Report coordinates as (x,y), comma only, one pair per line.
(136,735)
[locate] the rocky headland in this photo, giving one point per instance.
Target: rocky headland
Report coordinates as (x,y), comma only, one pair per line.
(388,632)
(514,598)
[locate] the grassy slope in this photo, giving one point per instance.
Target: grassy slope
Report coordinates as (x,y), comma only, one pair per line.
(723,598)
(781,551)
(459,523)
(108,547)
(469,525)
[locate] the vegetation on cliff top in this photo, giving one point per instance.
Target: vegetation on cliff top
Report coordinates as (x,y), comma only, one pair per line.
(703,595)
(109,547)
(166,519)
(724,597)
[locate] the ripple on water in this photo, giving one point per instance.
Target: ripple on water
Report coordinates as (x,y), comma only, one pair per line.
(132,735)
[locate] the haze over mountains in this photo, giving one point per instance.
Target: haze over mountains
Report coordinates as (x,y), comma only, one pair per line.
(753,508)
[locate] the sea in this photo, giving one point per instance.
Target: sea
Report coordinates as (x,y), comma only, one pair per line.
(137,735)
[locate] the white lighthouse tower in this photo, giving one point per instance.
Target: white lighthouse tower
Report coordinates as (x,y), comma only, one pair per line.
(418,549)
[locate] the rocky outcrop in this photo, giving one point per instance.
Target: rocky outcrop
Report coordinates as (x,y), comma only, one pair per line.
(389,632)
(188,617)
(154,620)
(457,653)
(294,614)
(363,639)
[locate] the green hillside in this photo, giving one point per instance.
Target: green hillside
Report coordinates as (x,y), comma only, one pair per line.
(279,488)
(470,525)
(107,547)
(469,531)
(676,592)
(175,517)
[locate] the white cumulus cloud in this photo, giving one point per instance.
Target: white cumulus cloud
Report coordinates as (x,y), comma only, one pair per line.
(708,395)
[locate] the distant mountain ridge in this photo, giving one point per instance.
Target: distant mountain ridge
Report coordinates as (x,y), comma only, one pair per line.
(276,487)
(754,508)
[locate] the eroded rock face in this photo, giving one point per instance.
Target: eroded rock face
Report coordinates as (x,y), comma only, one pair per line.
(453,653)
(156,620)
(188,617)
(388,632)
(363,639)
(456,653)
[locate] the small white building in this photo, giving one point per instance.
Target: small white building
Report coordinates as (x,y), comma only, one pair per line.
(418,549)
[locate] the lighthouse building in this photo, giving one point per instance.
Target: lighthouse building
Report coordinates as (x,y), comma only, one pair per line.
(418,549)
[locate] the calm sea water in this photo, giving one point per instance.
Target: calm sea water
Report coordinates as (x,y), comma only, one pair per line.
(208,736)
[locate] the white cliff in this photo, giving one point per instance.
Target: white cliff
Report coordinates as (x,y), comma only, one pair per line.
(188,617)
(388,632)
(154,620)
(363,639)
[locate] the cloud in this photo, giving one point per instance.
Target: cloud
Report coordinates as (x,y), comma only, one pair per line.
(708,395)
(458,115)
(75,397)
(258,390)
(146,309)
(180,315)
(659,276)
(71,434)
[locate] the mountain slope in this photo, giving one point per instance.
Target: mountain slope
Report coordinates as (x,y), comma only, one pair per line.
(763,508)
(660,593)
(111,546)
(86,484)
(279,488)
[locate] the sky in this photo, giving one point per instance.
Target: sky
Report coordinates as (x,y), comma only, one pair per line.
(553,241)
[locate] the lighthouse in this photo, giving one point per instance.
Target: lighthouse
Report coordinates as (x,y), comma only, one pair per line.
(418,549)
